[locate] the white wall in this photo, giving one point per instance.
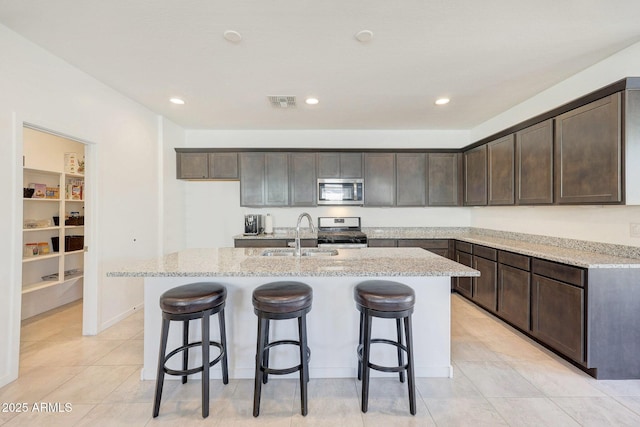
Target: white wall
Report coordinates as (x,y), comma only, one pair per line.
(609,224)
(214,214)
(126,151)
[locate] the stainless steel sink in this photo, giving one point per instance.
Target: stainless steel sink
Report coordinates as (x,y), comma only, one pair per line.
(305,252)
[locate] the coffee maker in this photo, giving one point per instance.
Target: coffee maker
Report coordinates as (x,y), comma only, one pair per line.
(253,224)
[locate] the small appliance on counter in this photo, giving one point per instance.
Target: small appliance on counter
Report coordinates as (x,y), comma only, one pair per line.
(268,224)
(340,232)
(253,224)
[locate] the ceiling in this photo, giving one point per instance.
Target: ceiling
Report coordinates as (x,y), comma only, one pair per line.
(487,56)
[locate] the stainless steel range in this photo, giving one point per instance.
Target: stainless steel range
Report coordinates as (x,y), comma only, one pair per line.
(340,232)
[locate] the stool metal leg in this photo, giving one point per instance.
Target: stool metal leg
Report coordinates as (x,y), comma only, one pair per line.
(185,353)
(360,342)
(410,370)
(366,348)
(160,376)
(265,353)
(223,341)
(400,356)
(262,325)
(205,364)
(304,363)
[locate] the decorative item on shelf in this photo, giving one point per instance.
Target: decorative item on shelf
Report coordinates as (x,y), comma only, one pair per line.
(71,162)
(43,248)
(56,220)
(36,223)
(30,249)
(81,166)
(74,189)
(27,193)
(39,191)
(74,218)
(52,193)
(71,243)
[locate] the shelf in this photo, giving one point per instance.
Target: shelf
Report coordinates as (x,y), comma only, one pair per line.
(55,227)
(43,172)
(43,199)
(32,287)
(67,227)
(74,175)
(79,251)
(74,200)
(40,257)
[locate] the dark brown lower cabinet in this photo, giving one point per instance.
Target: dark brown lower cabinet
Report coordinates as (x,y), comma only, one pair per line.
(382,243)
(485,290)
(464,285)
(514,295)
(557,316)
(437,246)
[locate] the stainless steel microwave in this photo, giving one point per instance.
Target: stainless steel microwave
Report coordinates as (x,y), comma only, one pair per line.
(340,191)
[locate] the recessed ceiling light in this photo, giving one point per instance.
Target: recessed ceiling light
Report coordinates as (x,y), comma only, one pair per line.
(311,101)
(177,101)
(442,101)
(364,36)
(232,36)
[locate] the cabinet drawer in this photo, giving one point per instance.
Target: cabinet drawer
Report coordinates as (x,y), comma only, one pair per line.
(464,247)
(424,243)
(562,272)
(382,243)
(260,243)
(522,262)
(485,252)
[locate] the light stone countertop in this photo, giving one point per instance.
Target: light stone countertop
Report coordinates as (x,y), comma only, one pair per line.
(579,253)
(248,262)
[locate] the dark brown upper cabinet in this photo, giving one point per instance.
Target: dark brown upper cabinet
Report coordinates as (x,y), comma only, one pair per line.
(207,165)
(264,179)
(501,156)
(411,179)
(444,180)
(588,153)
(379,179)
(475,176)
(534,164)
(340,165)
(302,179)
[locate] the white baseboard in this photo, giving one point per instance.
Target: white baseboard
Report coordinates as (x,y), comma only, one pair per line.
(136,308)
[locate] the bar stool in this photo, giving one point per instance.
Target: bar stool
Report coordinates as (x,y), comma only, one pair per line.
(184,303)
(277,301)
(387,300)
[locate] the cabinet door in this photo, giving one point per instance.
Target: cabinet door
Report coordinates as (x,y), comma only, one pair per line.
(410,179)
(485,290)
(501,155)
(302,179)
(252,168)
(558,316)
(382,243)
(379,179)
(475,176)
(464,285)
(350,165)
(192,166)
(339,165)
(276,179)
(534,164)
(328,165)
(514,295)
(437,246)
(443,179)
(223,165)
(588,153)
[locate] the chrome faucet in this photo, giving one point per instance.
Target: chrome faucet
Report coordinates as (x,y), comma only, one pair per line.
(296,250)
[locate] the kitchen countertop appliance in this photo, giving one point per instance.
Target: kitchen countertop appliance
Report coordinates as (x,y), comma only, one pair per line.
(340,232)
(253,224)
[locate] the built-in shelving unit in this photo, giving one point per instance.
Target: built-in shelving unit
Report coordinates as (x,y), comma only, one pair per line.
(53,215)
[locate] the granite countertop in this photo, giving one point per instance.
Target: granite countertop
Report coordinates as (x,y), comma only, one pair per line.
(579,253)
(249,262)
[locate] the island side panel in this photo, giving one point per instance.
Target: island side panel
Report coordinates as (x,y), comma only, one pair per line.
(332,327)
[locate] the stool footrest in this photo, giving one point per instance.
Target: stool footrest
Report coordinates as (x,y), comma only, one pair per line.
(282,371)
(380,367)
(183,372)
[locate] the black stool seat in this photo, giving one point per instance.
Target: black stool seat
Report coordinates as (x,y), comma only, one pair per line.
(282,297)
(387,300)
(193,298)
(384,295)
(280,301)
(183,304)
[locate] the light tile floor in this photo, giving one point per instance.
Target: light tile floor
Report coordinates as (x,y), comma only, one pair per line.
(501,379)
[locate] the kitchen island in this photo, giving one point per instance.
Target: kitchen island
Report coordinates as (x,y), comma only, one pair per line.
(333,321)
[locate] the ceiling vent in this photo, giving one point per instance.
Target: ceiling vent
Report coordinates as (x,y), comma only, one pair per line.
(282,101)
